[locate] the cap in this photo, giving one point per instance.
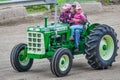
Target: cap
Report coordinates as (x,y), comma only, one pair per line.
(78,7)
(75,4)
(67,6)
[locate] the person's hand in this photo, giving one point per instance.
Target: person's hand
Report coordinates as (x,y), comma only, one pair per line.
(69,15)
(61,19)
(75,20)
(68,20)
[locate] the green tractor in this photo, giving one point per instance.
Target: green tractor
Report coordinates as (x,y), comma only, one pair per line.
(98,42)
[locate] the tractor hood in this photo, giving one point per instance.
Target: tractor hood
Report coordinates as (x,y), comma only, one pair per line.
(49,28)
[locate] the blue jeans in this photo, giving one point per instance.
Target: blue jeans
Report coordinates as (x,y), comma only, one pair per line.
(75,32)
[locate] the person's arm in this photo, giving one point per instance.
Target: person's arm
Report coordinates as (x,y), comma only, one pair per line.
(61,18)
(83,17)
(77,18)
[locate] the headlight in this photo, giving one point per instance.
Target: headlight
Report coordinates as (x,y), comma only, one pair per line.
(34,29)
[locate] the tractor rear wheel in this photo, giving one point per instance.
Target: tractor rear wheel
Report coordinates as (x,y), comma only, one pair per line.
(101,47)
(19,60)
(61,62)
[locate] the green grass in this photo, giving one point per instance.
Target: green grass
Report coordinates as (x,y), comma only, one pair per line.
(61,1)
(107,1)
(3,0)
(41,8)
(82,0)
(36,8)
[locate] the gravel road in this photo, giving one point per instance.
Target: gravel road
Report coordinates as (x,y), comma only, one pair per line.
(13,34)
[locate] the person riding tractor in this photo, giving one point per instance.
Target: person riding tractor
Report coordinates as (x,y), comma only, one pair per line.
(75,19)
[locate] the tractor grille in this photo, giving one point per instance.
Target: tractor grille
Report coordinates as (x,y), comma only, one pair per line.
(35,43)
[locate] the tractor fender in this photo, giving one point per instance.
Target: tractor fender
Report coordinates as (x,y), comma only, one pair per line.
(91,27)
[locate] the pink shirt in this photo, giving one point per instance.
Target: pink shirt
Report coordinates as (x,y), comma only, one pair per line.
(79,16)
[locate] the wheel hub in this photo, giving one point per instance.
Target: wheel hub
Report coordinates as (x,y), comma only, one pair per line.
(23,58)
(106,47)
(64,62)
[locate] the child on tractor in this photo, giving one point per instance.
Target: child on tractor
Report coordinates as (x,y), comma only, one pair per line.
(74,12)
(65,16)
(74,19)
(74,7)
(77,25)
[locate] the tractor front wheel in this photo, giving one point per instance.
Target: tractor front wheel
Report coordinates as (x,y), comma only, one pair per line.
(101,47)
(19,60)
(61,62)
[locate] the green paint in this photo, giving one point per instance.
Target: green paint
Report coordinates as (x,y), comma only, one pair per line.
(50,42)
(104,47)
(45,20)
(90,27)
(23,59)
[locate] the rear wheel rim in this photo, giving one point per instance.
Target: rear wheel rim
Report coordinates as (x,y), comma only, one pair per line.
(106,47)
(24,61)
(64,63)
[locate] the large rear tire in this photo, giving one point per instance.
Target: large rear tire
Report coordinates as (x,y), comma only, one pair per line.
(101,47)
(19,60)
